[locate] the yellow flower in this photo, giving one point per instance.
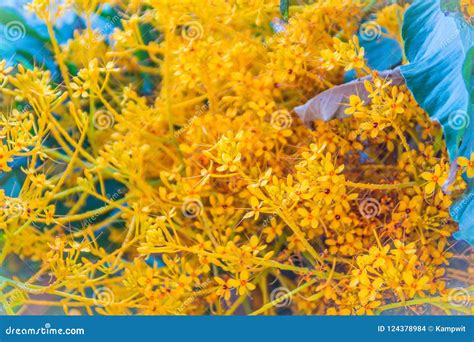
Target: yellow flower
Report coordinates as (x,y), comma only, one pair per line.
(434,178)
(331,59)
(5,158)
(230,163)
(261,107)
(224,289)
(467,164)
(221,205)
(80,90)
(309,218)
(414,286)
(356,105)
(395,103)
(403,250)
(368,290)
(4,71)
(331,172)
(49,214)
(356,59)
(273,231)
(373,127)
(242,284)
(256,208)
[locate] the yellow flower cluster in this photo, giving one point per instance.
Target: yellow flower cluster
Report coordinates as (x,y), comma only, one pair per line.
(204,193)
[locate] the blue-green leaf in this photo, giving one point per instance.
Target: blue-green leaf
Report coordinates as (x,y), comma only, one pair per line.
(285,9)
(439,44)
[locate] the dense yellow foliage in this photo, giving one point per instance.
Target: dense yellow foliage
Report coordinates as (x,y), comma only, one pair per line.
(222,200)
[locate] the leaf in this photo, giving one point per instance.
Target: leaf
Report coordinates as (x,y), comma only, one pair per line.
(439,45)
(332,103)
(22,43)
(285,9)
(463,211)
(382,53)
(440,68)
(16,21)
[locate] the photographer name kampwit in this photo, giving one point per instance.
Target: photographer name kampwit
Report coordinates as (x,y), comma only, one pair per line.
(448,329)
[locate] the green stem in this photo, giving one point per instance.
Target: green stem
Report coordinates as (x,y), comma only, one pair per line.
(380,186)
(282,298)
